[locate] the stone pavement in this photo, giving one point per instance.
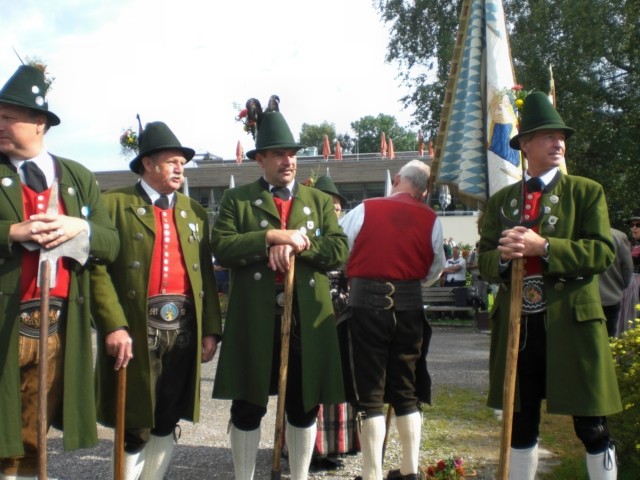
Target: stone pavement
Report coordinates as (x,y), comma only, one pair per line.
(457,357)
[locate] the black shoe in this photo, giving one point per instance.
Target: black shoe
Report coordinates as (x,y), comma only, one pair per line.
(396,475)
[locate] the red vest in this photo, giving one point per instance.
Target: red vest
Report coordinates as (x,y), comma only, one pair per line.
(532,265)
(33,203)
(394,242)
(284,208)
(168,274)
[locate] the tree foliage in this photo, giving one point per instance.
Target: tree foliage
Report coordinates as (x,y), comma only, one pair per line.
(369,131)
(594,48)
(313,135)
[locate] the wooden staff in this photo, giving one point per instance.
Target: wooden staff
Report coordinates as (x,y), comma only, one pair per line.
(43,365)
(118,444)
(511,365)
(285,336)
(387,425)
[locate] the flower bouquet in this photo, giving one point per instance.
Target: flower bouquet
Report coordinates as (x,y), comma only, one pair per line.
(128,142)
(446,469)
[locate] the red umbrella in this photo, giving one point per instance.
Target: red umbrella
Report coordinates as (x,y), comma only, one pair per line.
(420,144)
(338,151)
(326,148)
(383,145)
(392,153)
(239,153)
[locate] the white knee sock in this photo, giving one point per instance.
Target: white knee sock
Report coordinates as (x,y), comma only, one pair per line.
(300,442)
(158,457)
(523,463)
(133,464)
(409,430)
(603,466)
(371,441)
(244,448)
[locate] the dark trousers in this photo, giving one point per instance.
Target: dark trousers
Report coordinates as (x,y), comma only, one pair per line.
(247,416)
(532,364)
(172,354)
(386,346)
(612,313)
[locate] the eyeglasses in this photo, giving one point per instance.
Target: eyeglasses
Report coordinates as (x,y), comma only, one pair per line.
(635,225)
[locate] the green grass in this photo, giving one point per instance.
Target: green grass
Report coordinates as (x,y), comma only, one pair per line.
(459,424)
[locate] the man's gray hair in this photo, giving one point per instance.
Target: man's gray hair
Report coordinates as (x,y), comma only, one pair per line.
(417,173)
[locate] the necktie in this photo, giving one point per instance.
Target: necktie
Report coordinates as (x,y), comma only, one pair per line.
(281,192)
(534,184)
(34,177)
(162,202)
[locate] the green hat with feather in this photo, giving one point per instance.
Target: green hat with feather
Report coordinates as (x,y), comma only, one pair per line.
(27,88)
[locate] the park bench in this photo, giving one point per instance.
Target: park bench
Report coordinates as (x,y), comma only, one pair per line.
(451,299)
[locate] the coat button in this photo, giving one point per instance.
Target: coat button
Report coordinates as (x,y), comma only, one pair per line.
(257,276)
(131,294)
(80,300)
(559,286)
(135,265)
(196,267)
(312,283)
(201,294)
(138,236)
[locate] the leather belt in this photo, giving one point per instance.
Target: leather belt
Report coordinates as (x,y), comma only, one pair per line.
(29,315)
(169,312)
(379,295)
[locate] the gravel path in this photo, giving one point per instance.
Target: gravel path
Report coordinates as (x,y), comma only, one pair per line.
(457,357)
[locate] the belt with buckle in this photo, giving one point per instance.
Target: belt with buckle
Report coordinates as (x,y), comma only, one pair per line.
(380,295)
(29,315)
(169,312)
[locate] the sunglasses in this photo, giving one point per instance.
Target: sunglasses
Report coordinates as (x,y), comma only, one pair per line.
(635,224)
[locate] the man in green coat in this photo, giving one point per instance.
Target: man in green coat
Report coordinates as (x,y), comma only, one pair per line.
(258,227)
(564,347)
(27,175)
(161,292)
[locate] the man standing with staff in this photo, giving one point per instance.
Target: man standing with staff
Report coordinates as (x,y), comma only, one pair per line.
(162,292)
(564,355)
(27,177)
(258,227)
(396,244)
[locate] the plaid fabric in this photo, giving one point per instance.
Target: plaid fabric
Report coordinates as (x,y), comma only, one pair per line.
(337,430)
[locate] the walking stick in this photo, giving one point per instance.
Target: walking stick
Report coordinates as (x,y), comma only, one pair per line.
(285,336)
(118,444)
(43,364)
(513,340)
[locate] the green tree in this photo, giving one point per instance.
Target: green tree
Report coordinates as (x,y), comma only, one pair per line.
(313,135)
(594,48)
(368,131)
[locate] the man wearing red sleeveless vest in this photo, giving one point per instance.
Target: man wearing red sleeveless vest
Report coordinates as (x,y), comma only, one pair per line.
(161,290)
(396,243)
(27,174)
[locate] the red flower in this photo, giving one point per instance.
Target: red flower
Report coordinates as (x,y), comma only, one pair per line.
(242,114)
(442,465)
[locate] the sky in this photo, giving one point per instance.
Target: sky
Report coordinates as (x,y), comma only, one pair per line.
(190,63)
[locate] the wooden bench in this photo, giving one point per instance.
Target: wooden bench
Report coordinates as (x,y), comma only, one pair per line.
(443,299)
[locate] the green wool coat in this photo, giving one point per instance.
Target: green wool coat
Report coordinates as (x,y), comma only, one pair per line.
(81,197)
(239,242)
(120,300)
(580,374)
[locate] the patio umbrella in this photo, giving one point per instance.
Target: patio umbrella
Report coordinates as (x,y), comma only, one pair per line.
(431,152)
(338,151)
(420,143)
(239,153)
(387,185)
(232,182)
(392,153)
(185,186)
(326,148)
(383,145)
